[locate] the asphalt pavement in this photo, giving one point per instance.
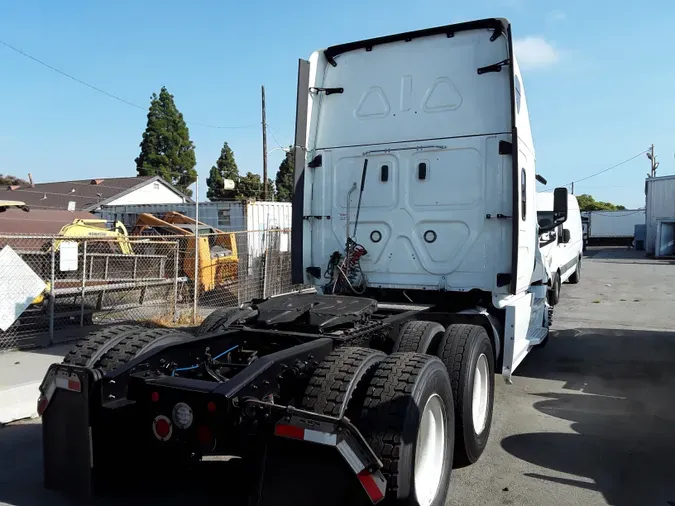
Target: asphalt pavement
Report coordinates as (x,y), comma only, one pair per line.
(589,419)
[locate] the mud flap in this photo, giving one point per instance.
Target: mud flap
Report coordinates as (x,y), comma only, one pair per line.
(323,462)
(64,405)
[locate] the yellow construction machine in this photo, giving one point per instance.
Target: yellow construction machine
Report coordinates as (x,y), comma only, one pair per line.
(81,228)
(217,262)
(217,259)
(12,204)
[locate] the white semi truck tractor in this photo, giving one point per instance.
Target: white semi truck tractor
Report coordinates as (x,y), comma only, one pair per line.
(414,217)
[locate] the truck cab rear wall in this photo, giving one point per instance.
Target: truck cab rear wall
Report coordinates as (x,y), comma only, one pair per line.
(444,135)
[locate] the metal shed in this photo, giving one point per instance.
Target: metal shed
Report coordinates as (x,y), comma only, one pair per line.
(660,195)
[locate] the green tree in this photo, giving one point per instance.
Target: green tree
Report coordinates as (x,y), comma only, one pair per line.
(588,203)
(285,180)
(166,148)
(225,168)
(272,190)
(7,180)
(249,187)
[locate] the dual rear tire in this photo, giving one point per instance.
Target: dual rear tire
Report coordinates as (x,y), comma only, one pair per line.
(402,405)
(466,350)
(420,413)
(111,347)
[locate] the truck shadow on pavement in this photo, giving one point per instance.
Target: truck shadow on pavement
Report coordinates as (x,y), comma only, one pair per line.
(621,405)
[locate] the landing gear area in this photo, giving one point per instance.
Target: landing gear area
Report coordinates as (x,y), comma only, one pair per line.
(366,405)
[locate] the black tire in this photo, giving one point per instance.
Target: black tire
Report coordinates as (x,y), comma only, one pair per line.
(576,275)
(137,343)
(218,320)
(391,416)
(335,380)
(88,350)
(418,336)
(460,349)
(554,292)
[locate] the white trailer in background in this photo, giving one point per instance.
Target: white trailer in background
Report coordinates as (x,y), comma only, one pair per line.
(613,228)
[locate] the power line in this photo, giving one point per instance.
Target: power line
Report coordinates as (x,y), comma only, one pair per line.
(605,170)
(108,94)
(612,167)
(280,133)
(274,138)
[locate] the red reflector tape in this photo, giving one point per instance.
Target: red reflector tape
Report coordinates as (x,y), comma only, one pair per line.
(373,484)
(289,431)
(73,385)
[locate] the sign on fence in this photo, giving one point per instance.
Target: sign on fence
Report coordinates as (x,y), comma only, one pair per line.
(19,285)
(68,256)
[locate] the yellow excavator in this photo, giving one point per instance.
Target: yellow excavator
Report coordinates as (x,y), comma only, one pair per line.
(80,228)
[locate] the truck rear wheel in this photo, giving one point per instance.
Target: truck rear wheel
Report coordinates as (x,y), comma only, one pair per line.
(418,336)
(408,420)
(466,351)
(137,343)
(87,351)
(218,320)
(332,386)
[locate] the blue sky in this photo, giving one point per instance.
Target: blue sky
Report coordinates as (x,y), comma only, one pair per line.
(599,78)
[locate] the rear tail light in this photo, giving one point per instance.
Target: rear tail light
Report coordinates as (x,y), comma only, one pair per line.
(162,428)
(42,405)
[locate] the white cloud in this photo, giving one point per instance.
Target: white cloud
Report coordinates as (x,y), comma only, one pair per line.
(557,16)
(535,52)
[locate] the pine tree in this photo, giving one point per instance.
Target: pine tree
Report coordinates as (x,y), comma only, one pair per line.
(285,179)
(271,190)
(166,148)
(225,168)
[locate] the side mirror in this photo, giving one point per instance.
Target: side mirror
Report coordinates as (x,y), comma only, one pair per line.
(560,205)
(566,236)
(559,211)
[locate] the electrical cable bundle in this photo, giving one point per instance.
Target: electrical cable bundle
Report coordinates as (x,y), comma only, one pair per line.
(344,271)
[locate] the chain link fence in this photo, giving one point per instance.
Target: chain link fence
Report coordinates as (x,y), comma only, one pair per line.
(55,289)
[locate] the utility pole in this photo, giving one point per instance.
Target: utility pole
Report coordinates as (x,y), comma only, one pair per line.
(572,188)
(652,159)
(264,132)
(197,278)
